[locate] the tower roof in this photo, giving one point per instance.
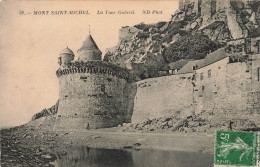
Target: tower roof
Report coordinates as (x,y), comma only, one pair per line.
(67,51)
(89,44)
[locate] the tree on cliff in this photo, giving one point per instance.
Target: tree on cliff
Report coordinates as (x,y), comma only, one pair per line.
(190,46)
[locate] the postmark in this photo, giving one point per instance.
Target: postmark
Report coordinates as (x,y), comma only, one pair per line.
(236,149)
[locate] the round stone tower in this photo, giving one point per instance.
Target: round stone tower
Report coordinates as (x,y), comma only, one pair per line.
(92,93)
(66,56)
(89,51)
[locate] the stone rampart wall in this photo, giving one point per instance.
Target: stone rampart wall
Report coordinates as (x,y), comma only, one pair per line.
(92,100)
(162,96)
(222,88)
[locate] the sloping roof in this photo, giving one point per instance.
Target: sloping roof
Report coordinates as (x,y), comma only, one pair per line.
(89,44)
(67,51)
(178,64)
(188,68)
(215,56)
(164,68)
(255,33)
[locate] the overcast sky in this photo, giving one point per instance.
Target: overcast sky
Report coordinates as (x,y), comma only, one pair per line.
(30,46)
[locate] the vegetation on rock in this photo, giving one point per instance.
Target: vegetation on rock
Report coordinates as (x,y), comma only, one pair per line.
(195,46)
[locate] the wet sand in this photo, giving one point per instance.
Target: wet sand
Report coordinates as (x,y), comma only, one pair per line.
(29,145)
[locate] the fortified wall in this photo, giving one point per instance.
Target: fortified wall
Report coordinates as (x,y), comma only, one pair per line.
(220,86)
(163,96)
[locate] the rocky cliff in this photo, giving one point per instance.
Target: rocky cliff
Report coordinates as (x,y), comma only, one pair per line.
(46,112)
(192,33)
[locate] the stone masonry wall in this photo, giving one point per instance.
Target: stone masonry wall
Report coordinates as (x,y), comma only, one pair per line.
(209,85)
(227,90)
(228,94)
(255,70)
(222,88)
(91,100)
(206,11)
(162,96)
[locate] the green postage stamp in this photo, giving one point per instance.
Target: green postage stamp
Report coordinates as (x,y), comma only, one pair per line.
(236,149)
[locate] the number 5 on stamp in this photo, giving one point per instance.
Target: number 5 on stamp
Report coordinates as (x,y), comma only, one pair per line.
(236,149)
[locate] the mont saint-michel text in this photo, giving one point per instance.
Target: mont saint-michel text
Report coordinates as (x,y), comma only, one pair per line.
(61,12)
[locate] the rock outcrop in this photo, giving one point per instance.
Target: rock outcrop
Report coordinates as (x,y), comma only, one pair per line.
(196,26)
(46,112)
(201,123)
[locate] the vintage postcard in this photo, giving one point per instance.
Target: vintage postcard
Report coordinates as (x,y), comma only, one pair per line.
(130,83)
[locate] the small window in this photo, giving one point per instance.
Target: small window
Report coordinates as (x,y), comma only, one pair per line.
(258,46)
(201,76)
(248,45)
(258,69)
(83,77)
(109,79)
(209,73)
(102,87)
(203,87)
(59,60)
(196,66)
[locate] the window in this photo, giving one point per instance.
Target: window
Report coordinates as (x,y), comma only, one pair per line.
(258,79)
(103,88)
(258,46)
(248,45)
(203,87)
(195,67)
(201,76)
(209,73)
(83,77)
(59,60)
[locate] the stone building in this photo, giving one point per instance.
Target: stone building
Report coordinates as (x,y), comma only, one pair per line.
(226,84)
(92,93)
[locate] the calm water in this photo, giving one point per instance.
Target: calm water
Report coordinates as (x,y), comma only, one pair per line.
(90,157)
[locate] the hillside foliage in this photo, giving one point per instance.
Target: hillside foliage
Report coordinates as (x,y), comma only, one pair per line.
(190,47)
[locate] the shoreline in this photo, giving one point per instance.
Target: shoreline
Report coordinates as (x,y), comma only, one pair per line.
(109,138)
(158,140)
(37,143)
(33,143)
